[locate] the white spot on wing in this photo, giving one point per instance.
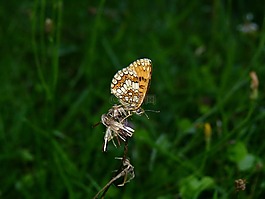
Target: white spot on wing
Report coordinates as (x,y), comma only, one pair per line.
(129,83)
(125,71)
(114,81)
(113,91)
(123,89)
(137,86)
(118,77)
(120,73)
(125,86)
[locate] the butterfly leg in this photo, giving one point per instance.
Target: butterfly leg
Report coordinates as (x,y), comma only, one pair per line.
(128,115)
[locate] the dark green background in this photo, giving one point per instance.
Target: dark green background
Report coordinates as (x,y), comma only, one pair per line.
(55,85)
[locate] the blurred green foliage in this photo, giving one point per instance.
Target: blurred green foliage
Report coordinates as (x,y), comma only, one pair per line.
(57,61)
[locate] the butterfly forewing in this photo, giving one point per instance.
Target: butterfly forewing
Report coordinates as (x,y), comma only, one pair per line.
(130,84)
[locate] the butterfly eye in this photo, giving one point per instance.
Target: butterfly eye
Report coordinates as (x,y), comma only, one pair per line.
(139,111)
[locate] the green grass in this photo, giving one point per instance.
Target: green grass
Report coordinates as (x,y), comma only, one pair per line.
(55,85)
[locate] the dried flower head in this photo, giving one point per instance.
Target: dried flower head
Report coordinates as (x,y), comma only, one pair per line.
(117,126)
(240,184)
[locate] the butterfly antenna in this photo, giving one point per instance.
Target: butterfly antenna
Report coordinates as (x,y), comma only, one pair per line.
(150,111)
(154,111)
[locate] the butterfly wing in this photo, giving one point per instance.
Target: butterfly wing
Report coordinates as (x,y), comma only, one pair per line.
(130,84)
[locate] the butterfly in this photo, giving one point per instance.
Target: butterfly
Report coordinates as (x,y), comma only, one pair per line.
(130,86)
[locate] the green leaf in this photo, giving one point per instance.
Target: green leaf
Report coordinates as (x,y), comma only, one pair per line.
(191,187)
(246,163)
(237,152)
